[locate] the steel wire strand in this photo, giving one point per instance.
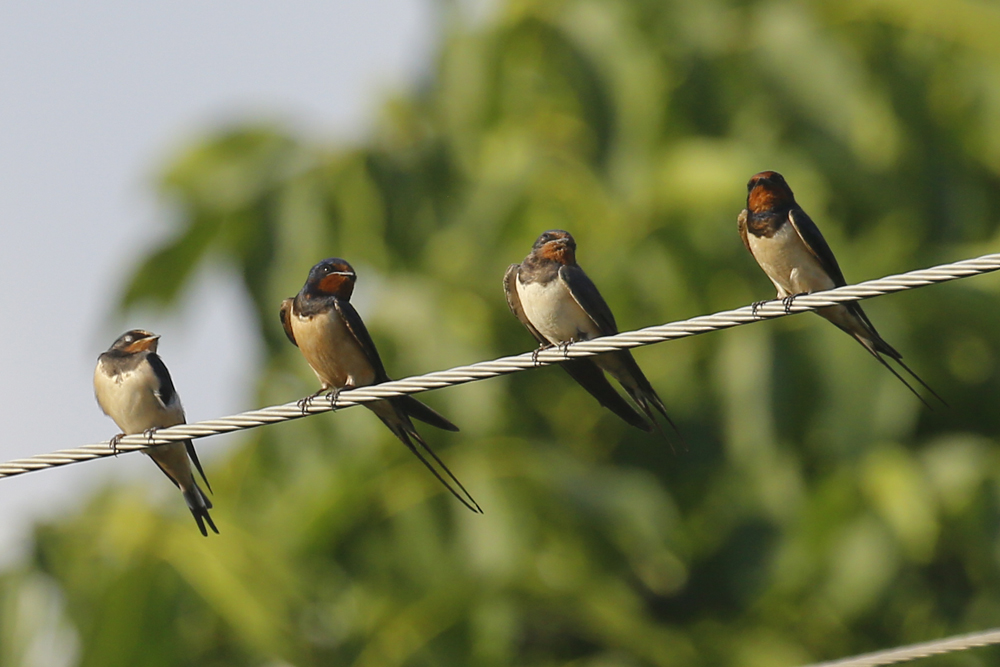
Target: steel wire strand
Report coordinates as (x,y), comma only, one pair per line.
(505,365)
(915,651)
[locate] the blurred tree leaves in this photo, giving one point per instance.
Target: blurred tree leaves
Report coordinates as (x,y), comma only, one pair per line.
(819,511)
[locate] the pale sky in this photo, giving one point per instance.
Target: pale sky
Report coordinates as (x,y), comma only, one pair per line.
(94,100)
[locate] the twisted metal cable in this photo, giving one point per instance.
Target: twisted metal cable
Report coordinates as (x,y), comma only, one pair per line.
(915,651)
(505,365)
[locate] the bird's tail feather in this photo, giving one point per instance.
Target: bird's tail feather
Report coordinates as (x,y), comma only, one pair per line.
(199,504)
(862,330)
(403,429)
(196,500)
(197,464)
(920,380)
(877,345)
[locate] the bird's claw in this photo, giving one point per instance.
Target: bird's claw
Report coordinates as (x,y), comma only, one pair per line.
(113,443)
(755,306)
(787,301)
(536,352)
(305,403)
(335,394)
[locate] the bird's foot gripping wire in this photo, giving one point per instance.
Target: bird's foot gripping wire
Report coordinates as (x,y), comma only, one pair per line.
(113,443)
(788,300)
(305,403)
(755,306)
(335,394)
(564,346)
(150,432)
(541,348)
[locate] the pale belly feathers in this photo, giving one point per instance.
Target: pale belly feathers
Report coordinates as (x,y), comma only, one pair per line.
(331,351)
(788,263)
(554,312)
(129,399)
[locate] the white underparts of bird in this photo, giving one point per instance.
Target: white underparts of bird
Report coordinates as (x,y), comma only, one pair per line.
(134,388)
(791,250)
(557,303)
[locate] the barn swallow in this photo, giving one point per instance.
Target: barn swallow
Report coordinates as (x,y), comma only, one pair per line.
(555,300)
(323,324)
(134,388)
(790,249)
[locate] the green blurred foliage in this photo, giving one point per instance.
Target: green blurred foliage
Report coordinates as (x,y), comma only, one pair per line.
(819,511)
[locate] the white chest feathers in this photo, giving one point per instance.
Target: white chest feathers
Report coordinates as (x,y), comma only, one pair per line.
(788,263)
(332,351)
(554,312)
(131,399)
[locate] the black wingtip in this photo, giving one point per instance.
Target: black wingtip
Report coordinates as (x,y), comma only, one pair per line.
(417,410)
(189,445)
(646,426)
(627,414)
(589,376)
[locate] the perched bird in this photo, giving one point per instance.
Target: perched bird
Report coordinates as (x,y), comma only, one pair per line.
(790,249)
(556,301)
(134,388)
(321,321)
